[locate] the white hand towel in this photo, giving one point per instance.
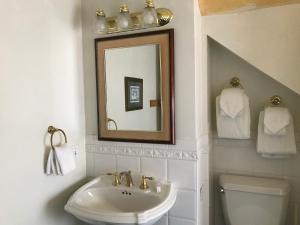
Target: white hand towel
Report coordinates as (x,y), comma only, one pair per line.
(56,163)
(52,167)
(276,120)
(232,102)
(275,145)
(65,158)
(237,128)
(49,166)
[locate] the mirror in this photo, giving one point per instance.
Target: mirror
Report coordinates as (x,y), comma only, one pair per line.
(135,84)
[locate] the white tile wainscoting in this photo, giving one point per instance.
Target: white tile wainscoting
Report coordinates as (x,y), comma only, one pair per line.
(179,163)
(241,157)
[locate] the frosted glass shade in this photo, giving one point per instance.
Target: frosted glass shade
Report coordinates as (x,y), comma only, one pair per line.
(100,25)
(124,21)
(149,17)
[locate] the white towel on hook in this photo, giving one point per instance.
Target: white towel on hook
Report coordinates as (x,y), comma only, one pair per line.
(270,145)
(232,102)
(237,128)
(276,120)
(65,159)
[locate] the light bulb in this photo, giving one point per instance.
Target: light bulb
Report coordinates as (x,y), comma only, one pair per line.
(124,21)
(100,24)
(149,16)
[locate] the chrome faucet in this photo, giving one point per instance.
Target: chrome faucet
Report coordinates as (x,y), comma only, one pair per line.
(127,175)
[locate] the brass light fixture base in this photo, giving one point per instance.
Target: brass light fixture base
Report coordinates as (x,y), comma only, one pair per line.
(164,17)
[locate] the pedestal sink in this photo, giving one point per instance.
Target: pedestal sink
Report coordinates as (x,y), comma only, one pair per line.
(99,202)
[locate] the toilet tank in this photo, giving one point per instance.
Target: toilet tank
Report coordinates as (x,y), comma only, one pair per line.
(250,200)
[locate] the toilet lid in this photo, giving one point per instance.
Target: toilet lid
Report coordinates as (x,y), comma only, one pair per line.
(255,184)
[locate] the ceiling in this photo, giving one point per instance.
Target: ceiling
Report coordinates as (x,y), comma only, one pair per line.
(210,7)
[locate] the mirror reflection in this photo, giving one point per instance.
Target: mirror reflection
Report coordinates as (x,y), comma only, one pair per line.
(133,88)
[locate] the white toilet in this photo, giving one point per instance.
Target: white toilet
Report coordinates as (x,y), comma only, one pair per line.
(254,201)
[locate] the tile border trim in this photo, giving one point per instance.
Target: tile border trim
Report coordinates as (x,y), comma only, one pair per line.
(184,150)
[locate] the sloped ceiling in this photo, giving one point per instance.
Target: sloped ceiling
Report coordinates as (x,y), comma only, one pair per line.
(209,7)
(266,38)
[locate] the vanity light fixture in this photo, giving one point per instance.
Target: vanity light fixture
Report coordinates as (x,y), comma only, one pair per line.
(126,21)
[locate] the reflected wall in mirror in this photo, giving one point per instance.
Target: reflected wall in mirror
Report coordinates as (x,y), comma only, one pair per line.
(135,83)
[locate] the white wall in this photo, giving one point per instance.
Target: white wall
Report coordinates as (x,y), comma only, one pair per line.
(240,156)
(267,38)
(40,85)
(186,163)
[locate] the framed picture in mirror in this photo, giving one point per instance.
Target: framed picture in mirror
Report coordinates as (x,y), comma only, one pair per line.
(133,94)
(135,87)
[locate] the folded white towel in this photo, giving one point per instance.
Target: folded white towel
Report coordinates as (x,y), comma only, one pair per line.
(275,145)
(275,156)
(65,159)
(281,132)
(237,128)
(276,120)
(232,102)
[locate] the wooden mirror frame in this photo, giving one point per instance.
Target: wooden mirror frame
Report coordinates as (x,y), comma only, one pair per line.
(165,38)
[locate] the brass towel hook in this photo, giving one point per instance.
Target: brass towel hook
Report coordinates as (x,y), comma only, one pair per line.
(52,130)
(275,100)
(235,82)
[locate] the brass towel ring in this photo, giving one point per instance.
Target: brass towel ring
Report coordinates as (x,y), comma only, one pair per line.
(52,130)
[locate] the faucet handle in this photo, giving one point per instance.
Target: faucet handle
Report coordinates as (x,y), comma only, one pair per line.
(116,180)
(127,175)
(144,185)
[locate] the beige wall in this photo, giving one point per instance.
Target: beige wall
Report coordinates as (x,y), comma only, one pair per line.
(40,84)
(266,38)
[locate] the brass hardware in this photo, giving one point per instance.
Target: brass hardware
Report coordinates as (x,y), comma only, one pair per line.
(275,100)
(164,17)
(116,179)
(144,185)
(149,4)
(154,103)
(52,130)
(124,8)
(100,12)
(235,82)
(127,175)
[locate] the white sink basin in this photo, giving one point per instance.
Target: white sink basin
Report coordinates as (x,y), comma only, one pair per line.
(99,202)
